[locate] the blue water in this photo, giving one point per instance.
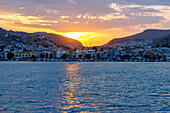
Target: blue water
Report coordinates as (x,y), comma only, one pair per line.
(84,87)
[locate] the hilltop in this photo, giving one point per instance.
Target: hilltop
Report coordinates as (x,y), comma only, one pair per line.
(148,36)
(36,40)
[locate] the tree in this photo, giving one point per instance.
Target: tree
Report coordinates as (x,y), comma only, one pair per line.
(10,55)
(146,57)
(2,48)
(64,56)
(127,57)
(159,57)
(42,56)
(51,55)
(98,56)
(74,49)
(95,48)
(101,49)
(46,56)
(33,57)
(88,56)
(25,50)
(122,57)
(80,56)
(151,56)
(74,57)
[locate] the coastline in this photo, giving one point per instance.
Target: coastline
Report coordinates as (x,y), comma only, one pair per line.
(91,61)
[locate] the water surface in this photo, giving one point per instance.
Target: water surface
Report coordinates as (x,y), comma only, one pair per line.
(84,87)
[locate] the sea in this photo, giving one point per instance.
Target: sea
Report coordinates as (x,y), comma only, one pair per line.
(84,87)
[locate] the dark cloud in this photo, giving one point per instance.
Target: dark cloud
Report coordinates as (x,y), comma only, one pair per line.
(148,2)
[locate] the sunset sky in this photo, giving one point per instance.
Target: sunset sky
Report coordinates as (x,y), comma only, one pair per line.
(93,22)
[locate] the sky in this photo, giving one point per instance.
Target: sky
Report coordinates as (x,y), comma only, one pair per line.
(92,22)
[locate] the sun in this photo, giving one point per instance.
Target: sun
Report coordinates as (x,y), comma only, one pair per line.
(73,35)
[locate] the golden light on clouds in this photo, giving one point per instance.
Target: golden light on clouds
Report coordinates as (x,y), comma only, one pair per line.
(112,16)
(18,22)
(24,19)
(92,26)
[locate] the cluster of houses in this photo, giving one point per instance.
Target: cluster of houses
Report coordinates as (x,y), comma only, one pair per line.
(88,54)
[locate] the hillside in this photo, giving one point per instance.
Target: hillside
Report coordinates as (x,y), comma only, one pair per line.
(39,39)
(162,42)
(150,34)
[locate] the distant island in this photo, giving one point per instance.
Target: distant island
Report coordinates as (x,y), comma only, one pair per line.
(150,45)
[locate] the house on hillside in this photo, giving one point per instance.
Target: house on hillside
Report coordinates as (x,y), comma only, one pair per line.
(113,53)
(167,55)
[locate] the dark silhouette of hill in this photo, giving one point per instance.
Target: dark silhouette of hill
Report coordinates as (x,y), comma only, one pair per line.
(41,38)
(149,34)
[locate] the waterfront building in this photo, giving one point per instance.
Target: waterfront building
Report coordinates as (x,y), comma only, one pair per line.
(25,55)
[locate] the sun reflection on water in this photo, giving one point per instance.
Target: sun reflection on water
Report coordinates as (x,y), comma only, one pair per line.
(72,90)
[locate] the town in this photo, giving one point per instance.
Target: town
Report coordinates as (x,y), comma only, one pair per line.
(87,54)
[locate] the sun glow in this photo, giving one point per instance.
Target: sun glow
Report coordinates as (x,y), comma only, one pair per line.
(73,35)
(86,38)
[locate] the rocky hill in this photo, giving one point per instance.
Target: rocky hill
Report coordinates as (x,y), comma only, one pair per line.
(39,39)
(147,35)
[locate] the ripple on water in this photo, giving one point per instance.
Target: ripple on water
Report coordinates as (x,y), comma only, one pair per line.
(84,87)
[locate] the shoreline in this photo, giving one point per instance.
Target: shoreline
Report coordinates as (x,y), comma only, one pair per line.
(94,61)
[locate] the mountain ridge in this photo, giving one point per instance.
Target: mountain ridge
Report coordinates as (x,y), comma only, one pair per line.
(37,38)
(148,34)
